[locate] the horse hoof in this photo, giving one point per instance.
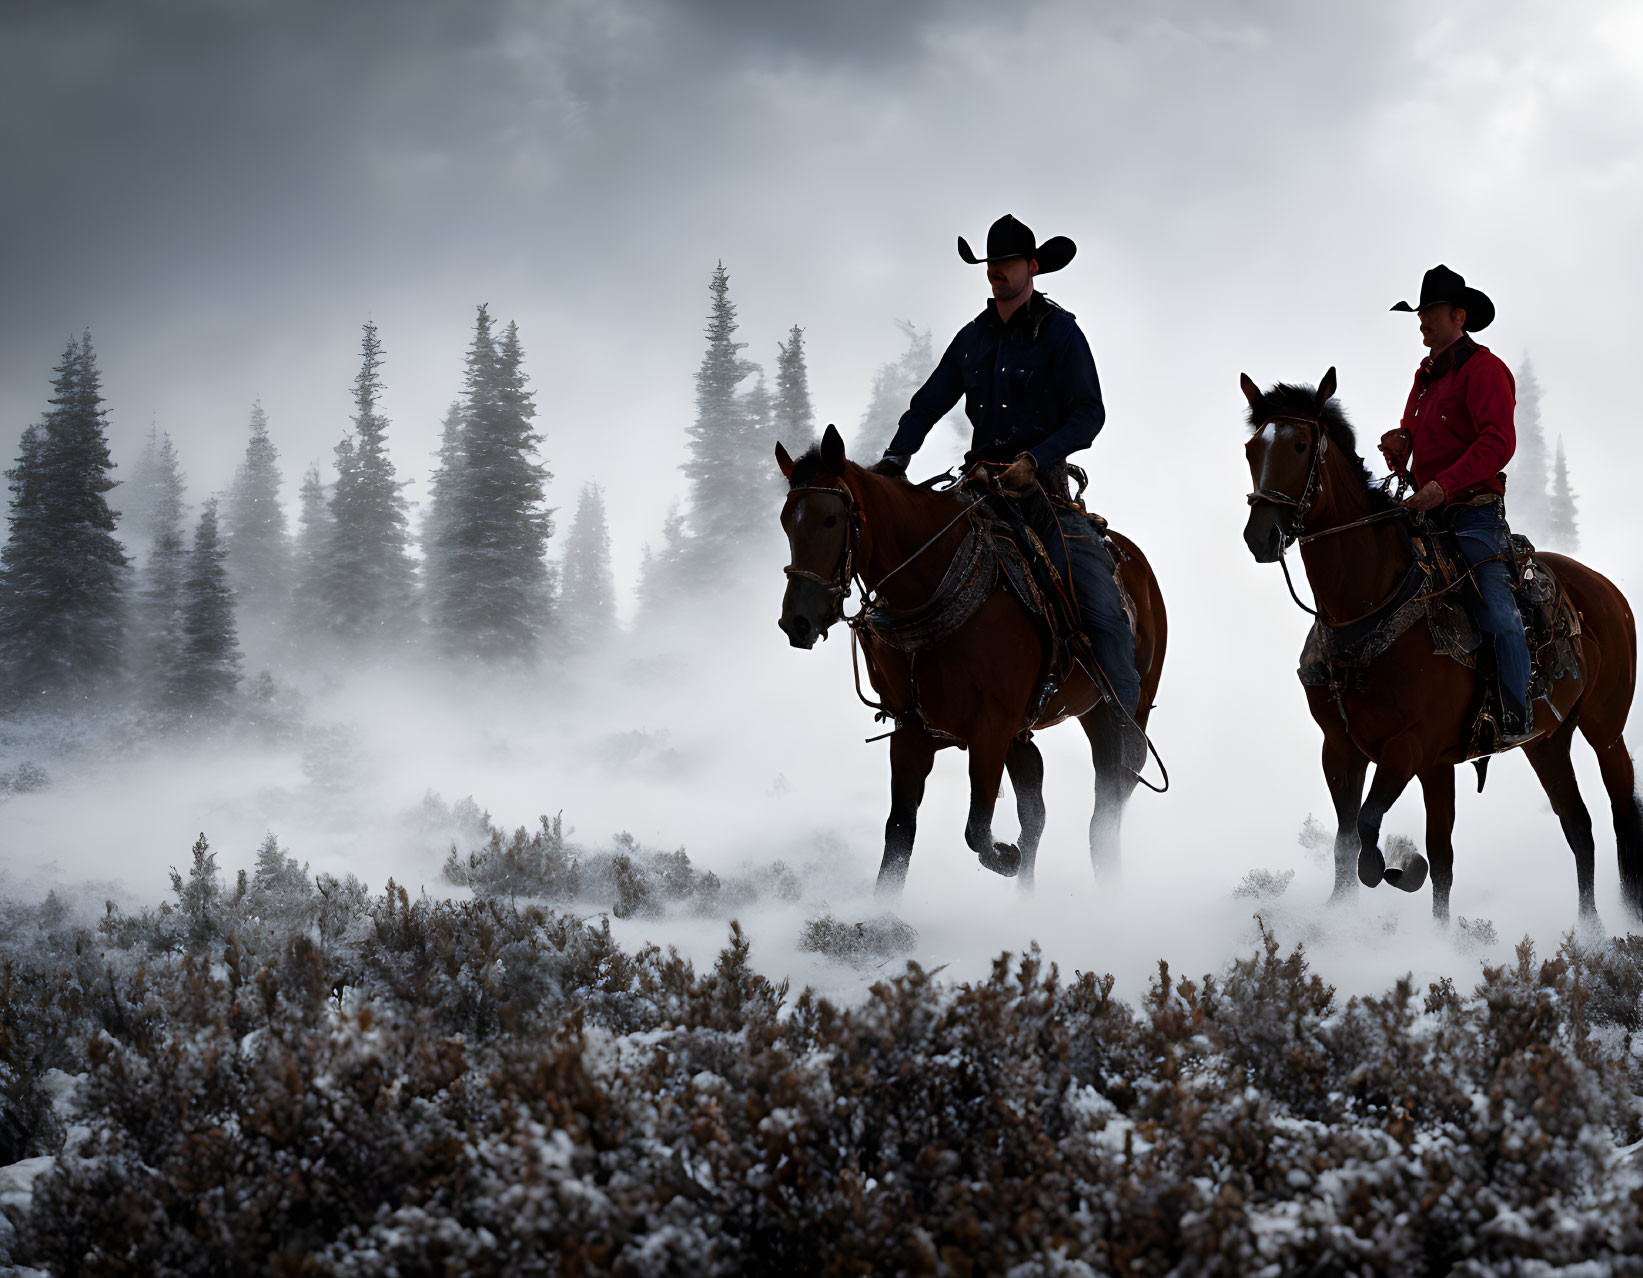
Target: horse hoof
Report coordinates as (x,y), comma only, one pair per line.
(1005,859)
(1371,867)
(1412,877)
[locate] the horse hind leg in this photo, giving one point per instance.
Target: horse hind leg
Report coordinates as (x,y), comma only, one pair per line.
(1550,759)
(1106,731)
(1026,767)
(1438,789)
(912,755)
(1615,763)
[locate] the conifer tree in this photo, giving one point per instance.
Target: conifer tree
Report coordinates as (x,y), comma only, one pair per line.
(308,556)
(664,572)
(280,889)
(490,530)
(199,897)
(894,385)
(140,493)
(259,555)
(720,468)
(588,592)
(443,500)
(368,581)
(62,608)
(206,667)
(1527,502)
(795,420)
(1562,517)
(164,567)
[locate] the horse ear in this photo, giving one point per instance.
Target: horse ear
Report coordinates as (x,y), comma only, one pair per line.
(784,461)
(1326,389)
(832,449)
(1252,392)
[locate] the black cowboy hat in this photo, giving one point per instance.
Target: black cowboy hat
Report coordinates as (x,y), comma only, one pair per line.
(1442,286)
(1008,238)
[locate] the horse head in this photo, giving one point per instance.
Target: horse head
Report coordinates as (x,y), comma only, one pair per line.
(823,524)
(1286,454)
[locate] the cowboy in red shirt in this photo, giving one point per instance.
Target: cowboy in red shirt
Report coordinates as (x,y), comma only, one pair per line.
(1456,436)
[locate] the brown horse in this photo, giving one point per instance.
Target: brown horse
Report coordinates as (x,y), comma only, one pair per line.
(1412,711)
(973,688)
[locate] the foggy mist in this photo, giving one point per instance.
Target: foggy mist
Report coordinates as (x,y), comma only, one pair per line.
(223,196)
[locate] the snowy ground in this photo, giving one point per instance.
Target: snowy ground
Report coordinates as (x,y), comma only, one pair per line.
(1267,1125)
(749,752)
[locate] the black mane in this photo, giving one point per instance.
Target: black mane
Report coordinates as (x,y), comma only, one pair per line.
(805,467)
(1291,399)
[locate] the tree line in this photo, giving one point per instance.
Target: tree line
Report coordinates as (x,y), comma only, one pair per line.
(104,586)
(100,588)
(1540,500)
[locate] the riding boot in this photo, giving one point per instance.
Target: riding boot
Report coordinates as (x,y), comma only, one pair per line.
(1517,721)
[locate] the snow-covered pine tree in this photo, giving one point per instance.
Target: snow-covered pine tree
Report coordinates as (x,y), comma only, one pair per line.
(794,419)
(280,890)
(160,578)
(490,591)
(259,553)
(1527,502)
(664,572)
(368,582)
(1562,516)
(758,459)
(62,606)
(443,499)
(450,542)
(308,555)
(139,493)
(719,468)
(587,598)
(894,384)
(205,668)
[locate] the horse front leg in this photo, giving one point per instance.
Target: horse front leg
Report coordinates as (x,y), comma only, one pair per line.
(1393,773)
(912,755)
(1345,767)
(986,774)
(1026,767)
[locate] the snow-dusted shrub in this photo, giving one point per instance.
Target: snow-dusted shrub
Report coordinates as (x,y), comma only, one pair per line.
(429,1087)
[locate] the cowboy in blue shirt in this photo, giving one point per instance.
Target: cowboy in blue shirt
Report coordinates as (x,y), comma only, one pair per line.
(1032,396)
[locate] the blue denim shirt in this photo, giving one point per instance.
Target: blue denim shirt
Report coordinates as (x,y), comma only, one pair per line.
(1029,386)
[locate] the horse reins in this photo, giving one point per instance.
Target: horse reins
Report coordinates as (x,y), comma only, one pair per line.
(1302,505)
(839,587)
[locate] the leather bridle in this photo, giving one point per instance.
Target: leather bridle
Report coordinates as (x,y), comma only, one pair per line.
(838,585)
(1302,505)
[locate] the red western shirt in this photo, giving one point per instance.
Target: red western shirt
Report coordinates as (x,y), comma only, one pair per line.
(1460,418)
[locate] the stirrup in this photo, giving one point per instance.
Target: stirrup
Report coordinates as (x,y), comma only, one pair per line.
(1526,732)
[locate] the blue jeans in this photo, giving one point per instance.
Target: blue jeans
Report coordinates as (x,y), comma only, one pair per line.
(1481,531)
(1092,584)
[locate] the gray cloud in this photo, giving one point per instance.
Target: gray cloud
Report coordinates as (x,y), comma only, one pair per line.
(225,191)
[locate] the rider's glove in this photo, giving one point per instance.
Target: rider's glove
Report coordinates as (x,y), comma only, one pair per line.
(1396,445)
(890,465)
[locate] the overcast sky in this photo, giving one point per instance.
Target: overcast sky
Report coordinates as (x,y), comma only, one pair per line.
(224,192)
